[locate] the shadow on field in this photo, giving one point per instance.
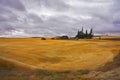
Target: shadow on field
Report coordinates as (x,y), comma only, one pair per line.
(9,72)
(113,39)
(111,65)
(15,74)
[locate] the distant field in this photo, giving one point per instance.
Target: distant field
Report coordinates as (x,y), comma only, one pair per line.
(60,55)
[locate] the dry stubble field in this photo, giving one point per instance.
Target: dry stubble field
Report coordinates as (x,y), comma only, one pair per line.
(58,55)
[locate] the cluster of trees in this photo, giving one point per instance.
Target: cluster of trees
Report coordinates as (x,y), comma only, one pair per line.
(86,35)
(80,35)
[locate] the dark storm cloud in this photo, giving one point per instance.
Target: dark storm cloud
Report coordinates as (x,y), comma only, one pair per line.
(16,4)
(58,17)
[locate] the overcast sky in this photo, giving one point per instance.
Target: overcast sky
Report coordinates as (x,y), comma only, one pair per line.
(20,18)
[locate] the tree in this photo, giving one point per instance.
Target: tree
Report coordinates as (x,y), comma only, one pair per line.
(91,33)
(82,35)
(86,34)
(82,29)
(77,36)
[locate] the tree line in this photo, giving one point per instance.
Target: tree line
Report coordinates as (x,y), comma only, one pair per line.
(80,35)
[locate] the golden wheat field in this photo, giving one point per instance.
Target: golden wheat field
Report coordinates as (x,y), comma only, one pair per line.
(34,53)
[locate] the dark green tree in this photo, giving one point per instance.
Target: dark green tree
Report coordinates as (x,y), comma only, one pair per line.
(91,33)
(86,34)
(80,34)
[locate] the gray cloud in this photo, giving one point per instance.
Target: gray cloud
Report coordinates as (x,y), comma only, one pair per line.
(58,17)
(16,4)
